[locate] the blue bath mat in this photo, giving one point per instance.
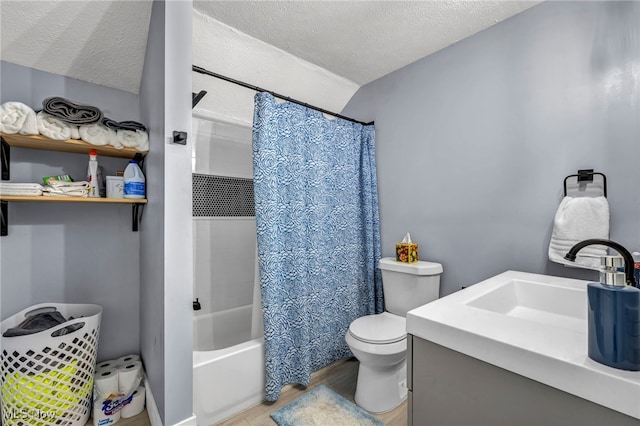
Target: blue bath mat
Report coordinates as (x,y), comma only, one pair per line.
(323,407)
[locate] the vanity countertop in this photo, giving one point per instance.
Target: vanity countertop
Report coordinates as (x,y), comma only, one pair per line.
(533,325)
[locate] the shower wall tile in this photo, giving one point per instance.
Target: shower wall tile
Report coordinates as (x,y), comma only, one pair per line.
(202,255)
(234,131)
(224,247)
(222,196)
(224,262)
(222,149)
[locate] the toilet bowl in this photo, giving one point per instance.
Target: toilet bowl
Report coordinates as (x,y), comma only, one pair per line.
(379,341)
(382,383)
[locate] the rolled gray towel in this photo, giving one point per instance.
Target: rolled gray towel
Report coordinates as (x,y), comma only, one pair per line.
(123,125)
(71,112)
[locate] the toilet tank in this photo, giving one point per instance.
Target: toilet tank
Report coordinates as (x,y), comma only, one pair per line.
(408,285)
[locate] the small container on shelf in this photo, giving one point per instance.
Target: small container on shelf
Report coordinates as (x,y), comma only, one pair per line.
(115,187)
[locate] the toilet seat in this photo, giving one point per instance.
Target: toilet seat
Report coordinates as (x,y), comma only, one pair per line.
(379,329)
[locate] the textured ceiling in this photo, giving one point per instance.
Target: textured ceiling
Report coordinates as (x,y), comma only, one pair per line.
(361,40)
(102,42)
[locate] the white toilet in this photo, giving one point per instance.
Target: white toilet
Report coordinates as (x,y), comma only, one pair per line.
(379,341)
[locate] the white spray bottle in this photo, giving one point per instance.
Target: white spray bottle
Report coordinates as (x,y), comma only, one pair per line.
(92,174)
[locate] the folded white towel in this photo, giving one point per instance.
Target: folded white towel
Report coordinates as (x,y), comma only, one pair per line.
(134,139)
(16,117)
(20,185)
(8,188)
(578,219)
(62,184)
(27,192)
(56,188)
(97,134)
(53,128)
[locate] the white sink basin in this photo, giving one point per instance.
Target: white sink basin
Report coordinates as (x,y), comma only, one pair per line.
(544,303)
(533,325)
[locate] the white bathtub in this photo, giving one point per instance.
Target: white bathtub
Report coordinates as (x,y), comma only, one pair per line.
(228,366)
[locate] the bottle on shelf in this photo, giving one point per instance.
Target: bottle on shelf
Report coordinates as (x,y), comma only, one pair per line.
(93,174)
(134,182)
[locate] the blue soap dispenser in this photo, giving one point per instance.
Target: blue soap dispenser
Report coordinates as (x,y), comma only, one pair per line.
(614,318)
(613,309)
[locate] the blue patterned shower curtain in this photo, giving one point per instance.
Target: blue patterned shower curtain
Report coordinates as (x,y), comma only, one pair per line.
(318,236)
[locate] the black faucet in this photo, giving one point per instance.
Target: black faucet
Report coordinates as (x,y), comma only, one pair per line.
(196,305)
(628,259)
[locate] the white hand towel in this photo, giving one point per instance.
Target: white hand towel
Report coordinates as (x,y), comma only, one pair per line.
(53,128)
(579,219)
(97,134)
(16,117)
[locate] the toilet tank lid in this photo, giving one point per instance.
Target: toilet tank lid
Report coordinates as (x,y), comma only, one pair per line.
(417,268)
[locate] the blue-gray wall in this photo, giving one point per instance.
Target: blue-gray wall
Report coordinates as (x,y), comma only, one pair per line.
(70,253)
(178,229)
(152,344)
(166,260)
(474,141)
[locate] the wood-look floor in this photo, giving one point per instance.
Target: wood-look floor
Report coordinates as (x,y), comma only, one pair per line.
(340,376)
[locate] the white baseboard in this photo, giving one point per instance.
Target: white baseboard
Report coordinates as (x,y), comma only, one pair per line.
(152,408)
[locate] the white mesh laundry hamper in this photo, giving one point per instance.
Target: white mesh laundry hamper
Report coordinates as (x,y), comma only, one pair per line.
(46,378)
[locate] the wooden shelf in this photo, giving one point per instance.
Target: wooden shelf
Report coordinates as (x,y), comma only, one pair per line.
(70,145)
(137,205)
(43,198)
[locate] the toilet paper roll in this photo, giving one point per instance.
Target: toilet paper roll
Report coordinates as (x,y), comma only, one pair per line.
(128,359)
(106,382)
(136,405)
(109,364)
(129,377)
(102,419)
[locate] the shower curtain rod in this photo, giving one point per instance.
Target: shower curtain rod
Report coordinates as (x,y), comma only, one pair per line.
(277,95)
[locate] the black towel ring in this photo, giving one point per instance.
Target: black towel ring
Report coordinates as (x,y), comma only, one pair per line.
(586,175)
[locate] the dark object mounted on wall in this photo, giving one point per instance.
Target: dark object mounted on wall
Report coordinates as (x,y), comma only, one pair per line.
(196,97)
(179,137)
(585,177)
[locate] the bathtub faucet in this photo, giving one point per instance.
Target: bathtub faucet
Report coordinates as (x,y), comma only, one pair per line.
(196,305)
